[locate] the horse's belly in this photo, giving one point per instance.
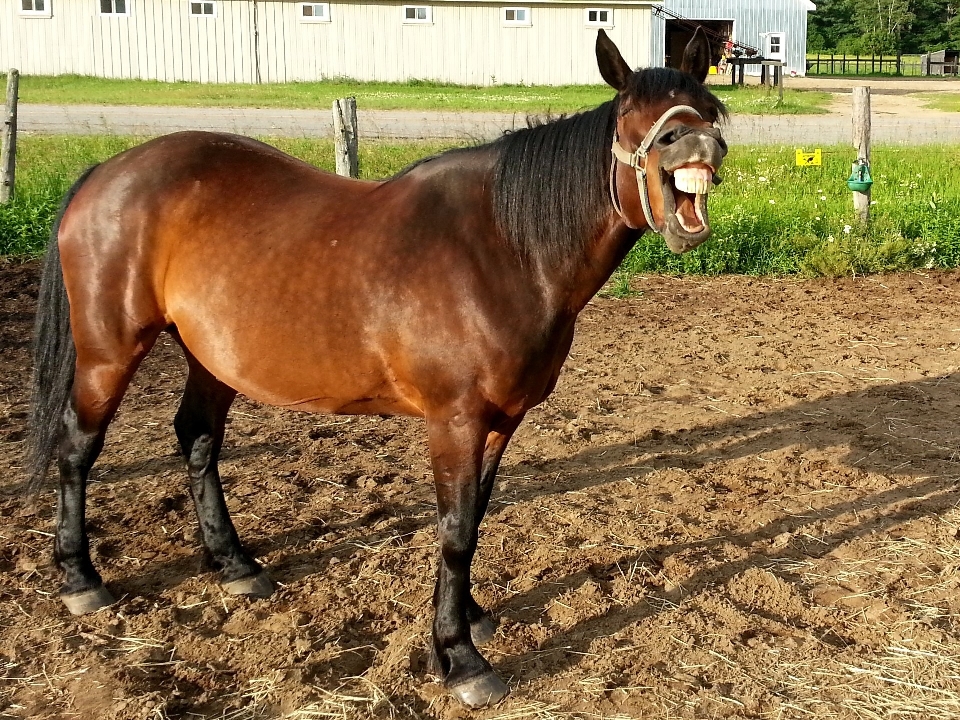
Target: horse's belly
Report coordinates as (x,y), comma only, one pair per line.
(379,405)
(351,387)
(309,371)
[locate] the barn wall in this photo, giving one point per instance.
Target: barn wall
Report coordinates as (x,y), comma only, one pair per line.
(466,43)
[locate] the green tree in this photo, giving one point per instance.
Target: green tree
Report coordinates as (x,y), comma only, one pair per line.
(953,26)
(832,22)
(882,23)
(888,26)
(932,25)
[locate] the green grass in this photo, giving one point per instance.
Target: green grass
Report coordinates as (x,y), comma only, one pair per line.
(753,100)
(74,89)
(769,216)
(949,102)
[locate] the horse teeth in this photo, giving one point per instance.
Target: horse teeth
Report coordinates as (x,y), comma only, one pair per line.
(695,181)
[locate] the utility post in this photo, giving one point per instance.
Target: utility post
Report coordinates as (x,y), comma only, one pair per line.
(861,141)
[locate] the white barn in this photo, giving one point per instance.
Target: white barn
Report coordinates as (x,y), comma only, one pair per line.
(544,42)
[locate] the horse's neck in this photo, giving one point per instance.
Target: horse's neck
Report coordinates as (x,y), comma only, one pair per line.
(577,279)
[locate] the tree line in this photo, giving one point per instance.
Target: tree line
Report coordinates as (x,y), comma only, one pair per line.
(870,27)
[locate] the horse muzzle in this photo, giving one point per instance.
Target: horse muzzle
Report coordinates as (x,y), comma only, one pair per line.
(687,162)
(684,160)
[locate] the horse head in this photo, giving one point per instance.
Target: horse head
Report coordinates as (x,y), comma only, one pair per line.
(666,147)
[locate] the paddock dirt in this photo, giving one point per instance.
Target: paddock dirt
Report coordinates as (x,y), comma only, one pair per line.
(740,502)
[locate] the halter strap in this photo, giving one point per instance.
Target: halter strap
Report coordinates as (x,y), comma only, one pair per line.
(634,160)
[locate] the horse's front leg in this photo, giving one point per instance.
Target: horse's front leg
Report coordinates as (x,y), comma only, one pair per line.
(457,445)
(482,626)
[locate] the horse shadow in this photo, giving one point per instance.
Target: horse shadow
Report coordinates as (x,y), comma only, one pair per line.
(930,408)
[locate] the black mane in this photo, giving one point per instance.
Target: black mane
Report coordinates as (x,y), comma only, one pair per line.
(550,183)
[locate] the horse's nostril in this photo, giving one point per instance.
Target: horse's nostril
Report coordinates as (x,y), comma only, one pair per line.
(672,136)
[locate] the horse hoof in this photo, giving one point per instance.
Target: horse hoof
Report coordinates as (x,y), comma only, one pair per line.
(87,601)
(482,631)
(480,691)
(256,586)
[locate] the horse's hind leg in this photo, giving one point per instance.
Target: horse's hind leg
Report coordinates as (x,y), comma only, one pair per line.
(200,425)
(98,387)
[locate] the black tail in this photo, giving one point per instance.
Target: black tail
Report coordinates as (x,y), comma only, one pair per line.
(54,357)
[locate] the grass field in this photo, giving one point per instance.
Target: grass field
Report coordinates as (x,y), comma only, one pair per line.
(949,102)
(769,217)
(73,89)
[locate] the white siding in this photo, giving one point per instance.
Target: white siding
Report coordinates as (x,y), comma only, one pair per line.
(465,44)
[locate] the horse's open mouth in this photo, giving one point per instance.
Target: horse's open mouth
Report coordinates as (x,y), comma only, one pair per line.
(687,222)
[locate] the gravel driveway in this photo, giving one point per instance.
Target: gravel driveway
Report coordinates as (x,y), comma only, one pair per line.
(897,118)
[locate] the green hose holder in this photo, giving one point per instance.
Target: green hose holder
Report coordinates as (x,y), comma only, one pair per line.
(860,180)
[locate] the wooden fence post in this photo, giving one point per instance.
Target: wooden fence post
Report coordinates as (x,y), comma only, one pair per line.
(8,138)
(345,137)
(861,141)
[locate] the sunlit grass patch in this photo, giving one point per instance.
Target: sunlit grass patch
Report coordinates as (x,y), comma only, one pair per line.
(771,217)
(949,102)
(753,100)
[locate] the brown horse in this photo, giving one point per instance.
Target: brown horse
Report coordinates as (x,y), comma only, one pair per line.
(448,292)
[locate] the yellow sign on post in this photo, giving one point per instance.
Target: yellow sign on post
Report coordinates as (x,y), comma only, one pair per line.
(806,159)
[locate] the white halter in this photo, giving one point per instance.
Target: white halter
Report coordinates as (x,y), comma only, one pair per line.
(634,160)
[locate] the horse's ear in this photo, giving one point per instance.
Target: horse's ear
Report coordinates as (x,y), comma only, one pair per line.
(613,68)
(696,56)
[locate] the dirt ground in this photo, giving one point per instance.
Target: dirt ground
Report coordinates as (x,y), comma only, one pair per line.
(914,105)
(741,502)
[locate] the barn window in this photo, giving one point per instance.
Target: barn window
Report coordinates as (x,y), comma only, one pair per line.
(206,8)
(114,7)
(35,8)
(516,16)
(599,17)
(315,12)
(417,14)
